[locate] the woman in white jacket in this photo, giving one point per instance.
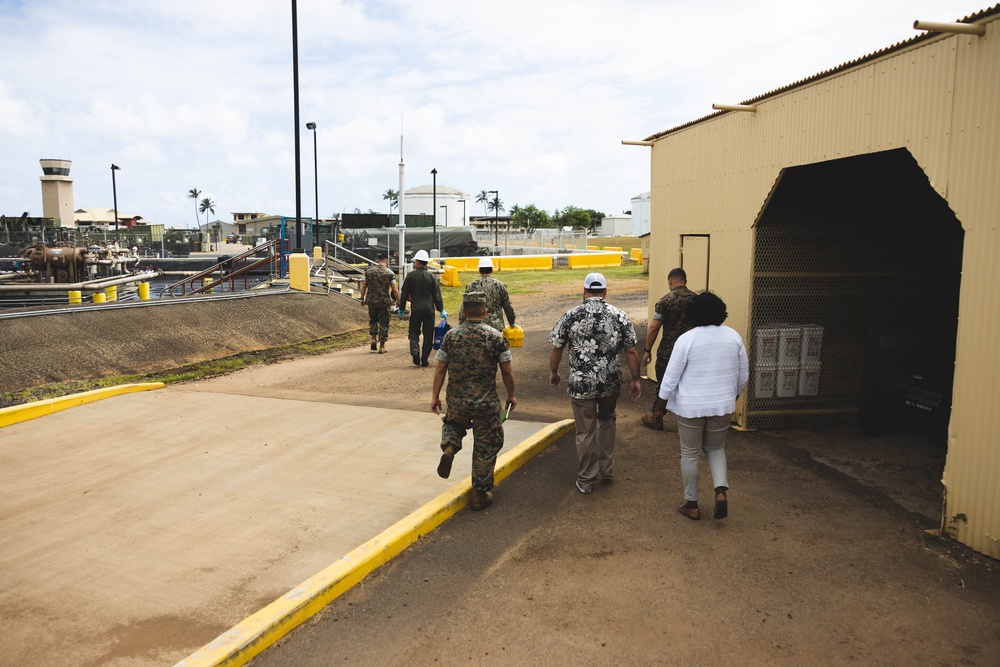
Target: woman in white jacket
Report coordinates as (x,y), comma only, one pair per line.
(708,369)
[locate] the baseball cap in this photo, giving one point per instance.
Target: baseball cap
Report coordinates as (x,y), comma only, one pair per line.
(474,297)
(421,256)
(594,281)
(381,256)
(485,263)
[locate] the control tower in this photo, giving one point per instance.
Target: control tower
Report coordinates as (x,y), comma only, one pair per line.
(57,192)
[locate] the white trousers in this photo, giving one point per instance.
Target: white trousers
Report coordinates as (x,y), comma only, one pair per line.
(703,434)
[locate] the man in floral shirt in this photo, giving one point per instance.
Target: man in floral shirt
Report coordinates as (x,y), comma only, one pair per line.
(596,333)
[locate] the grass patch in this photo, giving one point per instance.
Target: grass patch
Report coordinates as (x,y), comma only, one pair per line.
(535,282)
(623,242)
(198,371)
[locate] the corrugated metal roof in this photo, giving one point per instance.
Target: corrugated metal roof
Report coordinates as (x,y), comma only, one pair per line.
(995,9)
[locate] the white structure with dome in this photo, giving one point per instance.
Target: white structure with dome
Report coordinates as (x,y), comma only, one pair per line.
(420,200)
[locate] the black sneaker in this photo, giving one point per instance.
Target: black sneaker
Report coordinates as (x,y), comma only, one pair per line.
(416,359)
(425,363)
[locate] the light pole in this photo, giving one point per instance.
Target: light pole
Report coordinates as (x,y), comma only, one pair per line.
(434,201)
(295,104)
(496,219)
(114,196)
(312,126)
(464,221)
(437,240)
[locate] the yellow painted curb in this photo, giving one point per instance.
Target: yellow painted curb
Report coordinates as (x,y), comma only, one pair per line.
(242,642)
(19,413)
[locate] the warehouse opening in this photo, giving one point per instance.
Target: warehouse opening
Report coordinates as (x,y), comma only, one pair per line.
(854,311)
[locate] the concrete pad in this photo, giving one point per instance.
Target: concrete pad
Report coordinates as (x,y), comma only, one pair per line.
(136,529)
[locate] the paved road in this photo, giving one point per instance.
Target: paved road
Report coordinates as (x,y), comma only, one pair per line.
(136,529)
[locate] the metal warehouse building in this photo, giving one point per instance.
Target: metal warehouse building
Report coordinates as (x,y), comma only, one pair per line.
(861,207)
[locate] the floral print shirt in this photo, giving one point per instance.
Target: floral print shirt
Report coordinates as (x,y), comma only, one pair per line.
(596,333)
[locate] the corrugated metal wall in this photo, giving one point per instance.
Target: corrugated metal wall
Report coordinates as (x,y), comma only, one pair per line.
(938,99)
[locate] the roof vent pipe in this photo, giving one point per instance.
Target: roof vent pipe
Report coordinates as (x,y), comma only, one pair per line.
(752,108)
(626,142)
(958,28)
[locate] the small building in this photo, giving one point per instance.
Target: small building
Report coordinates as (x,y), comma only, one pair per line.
(860,203)
(616,225)
(57,192)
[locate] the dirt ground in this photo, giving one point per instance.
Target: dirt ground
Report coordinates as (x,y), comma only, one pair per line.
(825,557)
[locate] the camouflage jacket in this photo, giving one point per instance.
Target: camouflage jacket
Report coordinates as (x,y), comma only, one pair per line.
(669,310)
(379,281)
(473,351)
(596,333)
(497,301)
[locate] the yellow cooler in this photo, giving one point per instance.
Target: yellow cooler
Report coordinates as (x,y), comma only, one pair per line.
(514,336)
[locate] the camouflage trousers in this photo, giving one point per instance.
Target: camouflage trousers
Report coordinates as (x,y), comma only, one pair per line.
(487,432)
(378,321)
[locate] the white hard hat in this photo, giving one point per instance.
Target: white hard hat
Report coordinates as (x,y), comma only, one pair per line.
(421,256)
(485,263)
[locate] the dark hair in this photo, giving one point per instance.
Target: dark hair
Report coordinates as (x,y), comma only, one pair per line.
(677,273)
(474,308)
(485,269)
(705,309)
(381,256)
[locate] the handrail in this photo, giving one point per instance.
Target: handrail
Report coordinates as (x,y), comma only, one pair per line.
(350,252)
(270,246)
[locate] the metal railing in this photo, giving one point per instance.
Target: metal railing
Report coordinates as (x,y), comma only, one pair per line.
(230,271)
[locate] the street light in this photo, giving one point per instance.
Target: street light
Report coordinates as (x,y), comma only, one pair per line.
(298,153)
(312,126)
(496,219)
(464,221)
(434,201)
(114,196)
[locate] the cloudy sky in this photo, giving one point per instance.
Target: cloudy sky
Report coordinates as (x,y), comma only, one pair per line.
(530,97)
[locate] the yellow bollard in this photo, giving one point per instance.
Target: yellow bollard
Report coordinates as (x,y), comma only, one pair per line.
(209,281)
(112,292)
(298,271)
(99,297)
(75,296)
(317,254)
(143,291)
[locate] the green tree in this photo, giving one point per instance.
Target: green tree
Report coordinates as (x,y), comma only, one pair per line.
(207,206)
(572,216)
(392,197)
(531,217)
(496,206)
(194,193)
(595,218)
(483,198)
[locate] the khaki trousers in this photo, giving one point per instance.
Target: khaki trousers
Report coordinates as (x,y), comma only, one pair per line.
(595,437)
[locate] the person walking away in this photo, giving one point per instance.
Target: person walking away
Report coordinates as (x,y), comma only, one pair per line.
(668,314)
(470,355)
(497,297)
(707,371)
(596,333)
(423,290)
(379,291)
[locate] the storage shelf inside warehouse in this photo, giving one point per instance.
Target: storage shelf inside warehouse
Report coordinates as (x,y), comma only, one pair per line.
(857,269)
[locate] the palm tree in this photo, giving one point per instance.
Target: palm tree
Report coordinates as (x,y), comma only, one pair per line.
(393,198)
(515,215)
(207,206)
(194,193)
(496,205)
(483,198)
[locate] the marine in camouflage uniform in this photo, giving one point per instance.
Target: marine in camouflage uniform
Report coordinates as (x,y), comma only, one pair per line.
(668,317)
(469,356)
(497,298)
(379,291)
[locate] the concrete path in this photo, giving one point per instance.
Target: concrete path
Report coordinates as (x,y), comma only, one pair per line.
(136,529)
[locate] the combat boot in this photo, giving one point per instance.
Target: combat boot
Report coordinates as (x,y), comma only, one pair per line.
(481,499)
(381,348)
(444,467)
(374,343)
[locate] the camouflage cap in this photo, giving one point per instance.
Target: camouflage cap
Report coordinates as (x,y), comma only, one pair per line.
(474,297)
